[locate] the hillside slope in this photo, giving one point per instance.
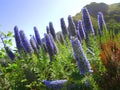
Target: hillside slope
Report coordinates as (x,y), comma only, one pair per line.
(111,12)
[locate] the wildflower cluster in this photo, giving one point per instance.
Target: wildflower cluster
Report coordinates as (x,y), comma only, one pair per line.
(50,62)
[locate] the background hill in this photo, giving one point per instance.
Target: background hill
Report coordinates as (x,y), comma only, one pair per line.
(111,14)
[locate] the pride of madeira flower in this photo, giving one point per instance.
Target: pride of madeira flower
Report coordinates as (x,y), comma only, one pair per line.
(71,26)
(19,44)
(101,22)
(10,54)
(80,57)
(27,46)
(34,44)
(81,30)
(55,85)
(52,31)
(63,27)
(37,35)
(50,45)
(88,27)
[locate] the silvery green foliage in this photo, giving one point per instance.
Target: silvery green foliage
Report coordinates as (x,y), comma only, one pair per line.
(80,57)
(71,26)
(27,46)
(18,39)
(81,30)
(88,27)
(63,27)
(37,35)
(52,31)
(34,44)
(55,85)
(101,22)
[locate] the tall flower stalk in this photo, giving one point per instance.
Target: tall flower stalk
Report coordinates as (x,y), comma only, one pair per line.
(78,35)
(81,30)
(52,31)
(71,26)
(101,22)
(34,45)
(50,45)
(18,39)
(88,27)
(63,27)
(80,57)
(54,45)
(47,30)
(37,35)
(37,45)
(27,46)
(10,54)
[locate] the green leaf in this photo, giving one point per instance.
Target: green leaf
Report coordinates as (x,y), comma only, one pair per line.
(5,41)
(24,80)
(9,34)
(28,86)
(10,42)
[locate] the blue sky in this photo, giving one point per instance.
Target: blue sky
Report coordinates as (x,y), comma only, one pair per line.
(28,13)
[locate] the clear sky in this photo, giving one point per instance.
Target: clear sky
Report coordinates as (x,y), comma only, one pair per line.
(28,13)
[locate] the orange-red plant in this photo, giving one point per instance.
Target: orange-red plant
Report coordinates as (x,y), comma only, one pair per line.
(110,55)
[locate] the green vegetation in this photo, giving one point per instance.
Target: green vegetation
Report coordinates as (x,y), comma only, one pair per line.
(111,14)
(90,63)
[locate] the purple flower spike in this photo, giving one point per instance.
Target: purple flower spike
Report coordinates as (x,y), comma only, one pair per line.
(10,54)
(27,46)
(81,30)
(38,47)
(52,30)
(44,47)
(54,45)
(8,51)
(18,39)
(55,85)
(88,27)
(33,44)
(80,57)
(78,35)
(47,29)
(63,27)
(101,22)
(37,35)
(71,26)
(49,46)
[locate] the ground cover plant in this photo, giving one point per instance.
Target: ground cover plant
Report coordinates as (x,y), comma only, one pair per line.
(77,58)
